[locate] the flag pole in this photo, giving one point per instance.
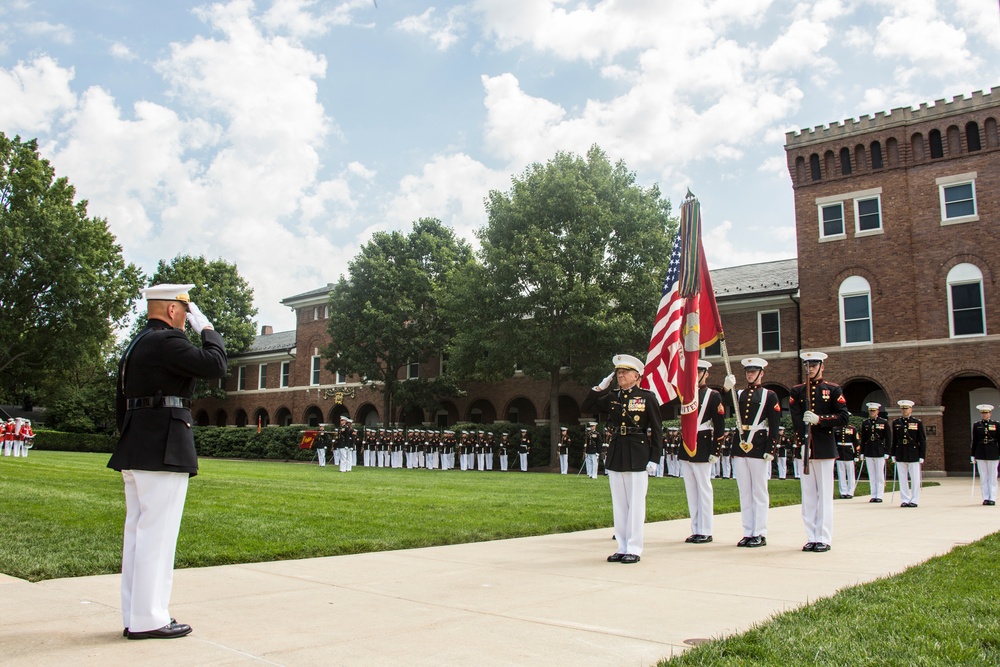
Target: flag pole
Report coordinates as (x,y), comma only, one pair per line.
(732,392)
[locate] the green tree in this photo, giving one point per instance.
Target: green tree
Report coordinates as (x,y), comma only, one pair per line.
(85,403)
(387,313)
(221,293)
(66,287)
(572,263)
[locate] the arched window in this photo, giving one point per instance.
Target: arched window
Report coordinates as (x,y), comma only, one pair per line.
(965,301)
(814,167)
(937,146)
(845,161)
(859,157)
(954,140)
(917,147)
(855,311)
(892,149)
(972,136)
(876,155)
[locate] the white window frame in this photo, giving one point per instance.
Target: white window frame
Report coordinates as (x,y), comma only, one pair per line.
(857,216)
(241,378)
(854,286)
(286,373)
(843,222)
(315,367)
(410,374)
(341,378)
(262,376)
(760,331)
(965,274)
(705,354)
(946,182)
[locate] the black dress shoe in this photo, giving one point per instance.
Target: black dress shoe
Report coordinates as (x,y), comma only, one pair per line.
(614,558)
(703,539)
(745,541)
(873,500)
(809,546)
(125,632)
(991,502)
(820,548)
(757,541)
(848,497)
(171,630)
(628,559)
(878,500)
(694,538)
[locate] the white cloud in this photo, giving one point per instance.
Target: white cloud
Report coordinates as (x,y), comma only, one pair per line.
(916,34)
(121,52)
(57,32)
(34,95)
(443,33)
(310,18)
(972,14)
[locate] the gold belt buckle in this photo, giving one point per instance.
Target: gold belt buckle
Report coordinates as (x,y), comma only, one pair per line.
(746,446)
(624,430)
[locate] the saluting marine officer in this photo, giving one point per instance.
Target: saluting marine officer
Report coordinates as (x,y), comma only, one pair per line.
(876,444)
(909,447)
(634,417)
(155,451)
(986,452)
(817,406)
(696,465)
(754,450)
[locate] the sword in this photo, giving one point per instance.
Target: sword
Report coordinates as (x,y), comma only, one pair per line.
(809,428)
(972,491)
(892,497)
(861,464)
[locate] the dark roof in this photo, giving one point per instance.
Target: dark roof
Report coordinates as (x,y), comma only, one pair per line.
(283,340)
(763,279)
(319,291)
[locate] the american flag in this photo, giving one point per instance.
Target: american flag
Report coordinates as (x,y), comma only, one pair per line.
(666,348)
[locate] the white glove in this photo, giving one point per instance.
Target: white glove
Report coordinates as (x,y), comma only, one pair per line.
(197,319)
(885,456)
(729,382)
(893,459)
(768,457)
(712,458)
(861,457)
(921,461)
(810,417)
(972,459)
(651,468)
(605,383)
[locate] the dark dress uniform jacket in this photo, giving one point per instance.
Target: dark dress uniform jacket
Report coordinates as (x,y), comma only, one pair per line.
(709,440)
(764,440)
(876,439)
(163,363)
(633,411)
(847,442)
(829,404)
(984,440)
(909,442)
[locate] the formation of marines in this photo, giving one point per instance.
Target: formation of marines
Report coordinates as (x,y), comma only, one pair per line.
(18,437)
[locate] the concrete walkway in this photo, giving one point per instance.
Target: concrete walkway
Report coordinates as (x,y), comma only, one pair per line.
(530,601)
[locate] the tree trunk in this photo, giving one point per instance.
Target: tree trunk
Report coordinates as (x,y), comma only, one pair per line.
(386,405)
(554,417)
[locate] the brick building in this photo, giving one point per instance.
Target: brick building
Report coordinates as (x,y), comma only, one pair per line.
(896,280)
(898,240)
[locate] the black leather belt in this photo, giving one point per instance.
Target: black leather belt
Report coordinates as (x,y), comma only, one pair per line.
(158,402)
(628,430)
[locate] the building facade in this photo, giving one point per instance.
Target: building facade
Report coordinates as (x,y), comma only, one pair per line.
(898,240)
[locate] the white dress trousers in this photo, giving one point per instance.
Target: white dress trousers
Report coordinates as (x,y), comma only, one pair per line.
(700,497)
(154,504)
(817,500)
(845,477)
(909,481)
(988,475)
(751,479)
(876,475)
(628,501)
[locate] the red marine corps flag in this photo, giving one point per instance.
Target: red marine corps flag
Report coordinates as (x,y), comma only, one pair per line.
(687,320)
(308,438)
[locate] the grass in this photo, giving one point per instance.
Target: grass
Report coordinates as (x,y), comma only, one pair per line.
(63,511)
(943,612)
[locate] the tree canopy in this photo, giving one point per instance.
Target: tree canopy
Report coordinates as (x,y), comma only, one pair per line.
(66,286)
(572,261)
(386,312)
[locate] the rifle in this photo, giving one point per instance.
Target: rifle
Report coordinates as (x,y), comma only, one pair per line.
(809,428)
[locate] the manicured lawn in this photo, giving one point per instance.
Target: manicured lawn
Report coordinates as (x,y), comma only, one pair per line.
(62,512)
(943,612)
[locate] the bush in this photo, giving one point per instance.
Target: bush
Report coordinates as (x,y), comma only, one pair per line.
(74,442)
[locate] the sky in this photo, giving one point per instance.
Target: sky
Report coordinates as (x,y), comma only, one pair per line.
(279,135)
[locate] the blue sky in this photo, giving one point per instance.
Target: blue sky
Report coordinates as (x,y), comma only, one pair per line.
(280,134)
